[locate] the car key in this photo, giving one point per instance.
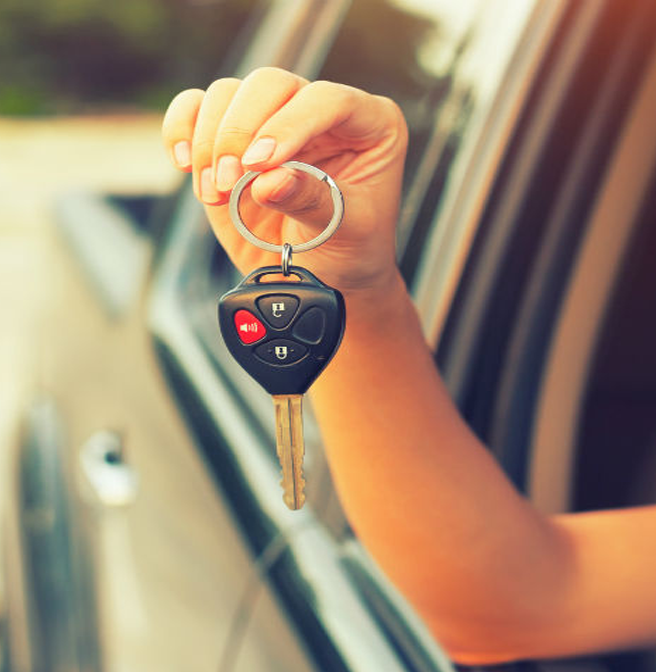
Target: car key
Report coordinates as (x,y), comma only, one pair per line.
(284,333)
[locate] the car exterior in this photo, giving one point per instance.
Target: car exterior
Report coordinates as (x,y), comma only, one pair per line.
(147,512)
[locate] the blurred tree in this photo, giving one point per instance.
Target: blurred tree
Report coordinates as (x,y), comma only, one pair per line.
(67,56)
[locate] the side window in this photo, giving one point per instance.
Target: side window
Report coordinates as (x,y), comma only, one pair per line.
(362,56)
(441,62)
(445,67)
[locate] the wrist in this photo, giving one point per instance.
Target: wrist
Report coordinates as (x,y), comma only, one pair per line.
(377,303)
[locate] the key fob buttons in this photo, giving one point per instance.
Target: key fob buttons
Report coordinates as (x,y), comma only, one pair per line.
(310,326)
(283,333)
(278,309)
(248,327)
(281,352)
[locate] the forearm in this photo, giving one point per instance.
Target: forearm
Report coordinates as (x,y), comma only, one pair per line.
(420,490)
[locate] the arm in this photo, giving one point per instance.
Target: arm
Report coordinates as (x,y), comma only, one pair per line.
(493,578)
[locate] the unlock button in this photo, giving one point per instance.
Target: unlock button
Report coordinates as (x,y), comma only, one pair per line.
(278,309)
(281,351)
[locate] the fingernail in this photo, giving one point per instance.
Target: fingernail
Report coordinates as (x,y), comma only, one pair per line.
(182,153)
(228,171)
(259,151)
(207,188)
(284,190)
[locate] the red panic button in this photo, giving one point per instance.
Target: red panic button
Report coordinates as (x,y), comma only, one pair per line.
(249,328)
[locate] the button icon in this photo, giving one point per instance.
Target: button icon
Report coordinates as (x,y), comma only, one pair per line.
(277,309)
(281,352)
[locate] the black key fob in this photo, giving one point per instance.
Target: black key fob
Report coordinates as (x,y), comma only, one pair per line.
(283,333)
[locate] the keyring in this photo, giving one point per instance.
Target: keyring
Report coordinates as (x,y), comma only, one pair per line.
(286,258)
(331,227)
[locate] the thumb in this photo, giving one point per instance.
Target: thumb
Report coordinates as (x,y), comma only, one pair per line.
(294,193)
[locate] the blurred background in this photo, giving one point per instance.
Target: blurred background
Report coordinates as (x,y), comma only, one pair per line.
(83,84)
(66,57)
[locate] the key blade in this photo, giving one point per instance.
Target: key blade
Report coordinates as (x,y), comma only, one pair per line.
(290,447)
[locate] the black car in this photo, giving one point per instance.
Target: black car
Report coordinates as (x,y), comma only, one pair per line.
(148,530)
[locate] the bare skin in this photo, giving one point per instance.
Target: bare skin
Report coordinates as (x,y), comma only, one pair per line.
(493,578)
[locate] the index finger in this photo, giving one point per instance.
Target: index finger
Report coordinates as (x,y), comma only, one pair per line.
(261,94)
(178,126)
(355,121)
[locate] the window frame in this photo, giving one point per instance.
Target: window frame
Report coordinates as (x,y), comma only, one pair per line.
(588,298)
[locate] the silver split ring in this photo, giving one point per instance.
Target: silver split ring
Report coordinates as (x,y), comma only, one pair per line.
(286,261)
(331,227)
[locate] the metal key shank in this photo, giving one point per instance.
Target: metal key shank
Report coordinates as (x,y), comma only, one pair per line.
(290,447)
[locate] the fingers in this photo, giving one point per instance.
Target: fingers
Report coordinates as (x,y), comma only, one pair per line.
(260,96)
(189,129)
(353,119)
(207,132)
(178,126)
(216,101)
(273,116)
(294,193)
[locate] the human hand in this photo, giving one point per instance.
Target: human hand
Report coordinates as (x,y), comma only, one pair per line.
(273,116)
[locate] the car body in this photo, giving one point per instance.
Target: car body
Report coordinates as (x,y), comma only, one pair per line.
(148,528)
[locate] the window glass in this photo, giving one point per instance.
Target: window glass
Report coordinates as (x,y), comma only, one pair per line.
(442,62)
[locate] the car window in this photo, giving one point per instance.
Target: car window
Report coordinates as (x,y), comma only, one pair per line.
(445,67)
(505,308)
(443,70)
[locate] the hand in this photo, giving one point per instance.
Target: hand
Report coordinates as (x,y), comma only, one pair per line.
(273,116)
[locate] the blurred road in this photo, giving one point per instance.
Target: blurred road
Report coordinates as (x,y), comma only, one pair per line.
(40,159)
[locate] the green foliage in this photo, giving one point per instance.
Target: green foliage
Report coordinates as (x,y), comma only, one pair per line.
(67,56)
(19,100)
